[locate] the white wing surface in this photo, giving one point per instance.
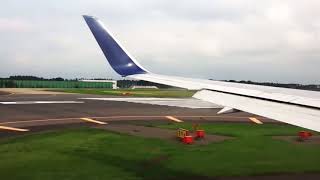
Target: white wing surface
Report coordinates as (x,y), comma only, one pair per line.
(297,107)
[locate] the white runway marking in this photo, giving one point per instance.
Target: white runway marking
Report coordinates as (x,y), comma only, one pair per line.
(42,102)
(13,129)
(255,120)
(173,119)
(93,121)
(176,102)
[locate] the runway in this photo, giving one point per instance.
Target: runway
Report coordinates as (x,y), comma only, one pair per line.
(61,110)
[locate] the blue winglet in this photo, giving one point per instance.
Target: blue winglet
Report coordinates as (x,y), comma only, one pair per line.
(120,61)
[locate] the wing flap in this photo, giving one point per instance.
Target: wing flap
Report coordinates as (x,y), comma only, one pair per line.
(292,96)
(291,114)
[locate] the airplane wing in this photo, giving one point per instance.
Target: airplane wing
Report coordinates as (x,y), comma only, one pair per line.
(297,107)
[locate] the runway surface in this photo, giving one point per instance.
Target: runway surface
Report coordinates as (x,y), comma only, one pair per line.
(27,111)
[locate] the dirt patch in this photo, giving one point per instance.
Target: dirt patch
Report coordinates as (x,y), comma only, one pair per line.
(153,132)
(295,139)
(4,93)
(29,91)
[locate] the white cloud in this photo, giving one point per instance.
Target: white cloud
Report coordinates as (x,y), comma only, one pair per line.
(14,25)
(267,40)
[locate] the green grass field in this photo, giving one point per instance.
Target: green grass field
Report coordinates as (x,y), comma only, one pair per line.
(96,154)
(162,93)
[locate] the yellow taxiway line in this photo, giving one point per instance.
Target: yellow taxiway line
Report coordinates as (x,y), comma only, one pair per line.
(93,121)
(173,119)
(13,129)
(116,117)
(182,116)
(255,120)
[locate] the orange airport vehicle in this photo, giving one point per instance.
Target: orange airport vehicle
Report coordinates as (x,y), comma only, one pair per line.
(199,132)
(181,133)
(186,137)
(188,140)
(304,135)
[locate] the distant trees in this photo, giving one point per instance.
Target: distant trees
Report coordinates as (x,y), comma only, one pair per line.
(56,79)
(311,87)
(34,78)
(25,78)
(7,83)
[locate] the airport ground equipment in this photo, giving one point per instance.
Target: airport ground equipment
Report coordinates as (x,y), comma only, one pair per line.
(181,133)
(199,133)
(304,135)
(184,136)
(188,140)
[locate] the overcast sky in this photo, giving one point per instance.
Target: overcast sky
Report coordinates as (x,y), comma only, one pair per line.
(265,40)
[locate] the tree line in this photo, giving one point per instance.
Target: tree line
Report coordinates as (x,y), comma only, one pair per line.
(34,78)
(312,87)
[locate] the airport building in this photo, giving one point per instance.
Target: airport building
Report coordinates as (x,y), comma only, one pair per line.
(144,87)
(109,83)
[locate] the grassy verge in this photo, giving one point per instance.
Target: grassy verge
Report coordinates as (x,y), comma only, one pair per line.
(130,92)
(96,154)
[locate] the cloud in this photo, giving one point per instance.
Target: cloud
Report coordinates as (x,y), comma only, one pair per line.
(14,25)
(269,40)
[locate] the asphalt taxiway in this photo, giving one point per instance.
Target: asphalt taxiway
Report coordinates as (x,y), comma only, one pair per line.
(22,112)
